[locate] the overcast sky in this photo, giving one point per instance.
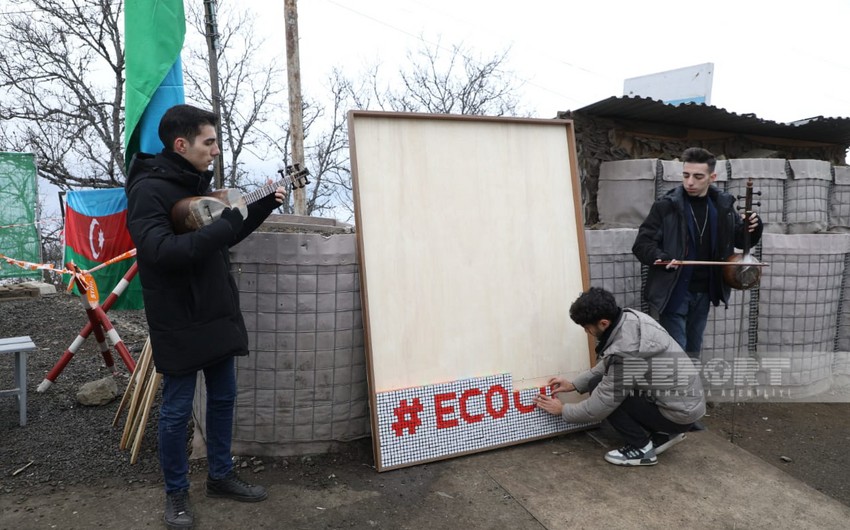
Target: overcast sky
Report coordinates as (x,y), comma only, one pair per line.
(780,61)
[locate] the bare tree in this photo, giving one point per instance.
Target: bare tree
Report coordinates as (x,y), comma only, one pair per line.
(444,80)
(61,88)
(61,96)
(249,92)
(437,80)
(321,155)
(249,103)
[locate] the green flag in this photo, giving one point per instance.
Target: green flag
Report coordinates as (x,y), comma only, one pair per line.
(153,33)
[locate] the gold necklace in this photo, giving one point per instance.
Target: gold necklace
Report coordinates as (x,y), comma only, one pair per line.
(704,222)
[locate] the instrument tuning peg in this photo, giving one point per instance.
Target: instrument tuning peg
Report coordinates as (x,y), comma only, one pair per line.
(757,203)
(757,193)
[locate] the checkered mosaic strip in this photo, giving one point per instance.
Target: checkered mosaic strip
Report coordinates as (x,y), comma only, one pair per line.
(427,422)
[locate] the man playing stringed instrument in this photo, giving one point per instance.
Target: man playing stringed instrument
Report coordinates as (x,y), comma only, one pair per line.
(694,221)
(191,301)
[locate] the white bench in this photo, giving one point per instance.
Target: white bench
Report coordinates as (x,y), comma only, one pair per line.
(19,346)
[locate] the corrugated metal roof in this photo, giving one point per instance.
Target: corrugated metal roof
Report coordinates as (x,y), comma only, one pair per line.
(701,116)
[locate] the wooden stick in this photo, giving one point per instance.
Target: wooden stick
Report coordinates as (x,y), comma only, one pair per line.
(146,406)
(138,392)
(132,424)
(715,263)
(134,379)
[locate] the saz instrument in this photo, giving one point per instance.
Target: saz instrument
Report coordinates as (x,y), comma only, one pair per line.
(192,213)
(741,271)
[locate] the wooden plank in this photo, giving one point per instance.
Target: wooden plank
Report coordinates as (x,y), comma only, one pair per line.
(471,246)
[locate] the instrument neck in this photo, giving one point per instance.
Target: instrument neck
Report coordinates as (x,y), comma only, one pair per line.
(259,193)
(293,177)
(748,211)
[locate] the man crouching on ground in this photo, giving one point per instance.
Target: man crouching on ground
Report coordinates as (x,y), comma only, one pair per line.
(643,383)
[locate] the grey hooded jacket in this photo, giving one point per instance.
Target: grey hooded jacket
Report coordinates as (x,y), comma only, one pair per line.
(639,356)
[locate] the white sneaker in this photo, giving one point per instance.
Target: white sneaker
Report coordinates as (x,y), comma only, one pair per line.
(663,441)
(629,455)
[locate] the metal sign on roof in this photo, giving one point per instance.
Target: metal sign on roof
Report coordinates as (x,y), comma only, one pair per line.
(691,84)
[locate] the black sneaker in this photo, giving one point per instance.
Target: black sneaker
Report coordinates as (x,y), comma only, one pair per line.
(629,455)
(178,511)
(233,487)
(663,441)
(698,426)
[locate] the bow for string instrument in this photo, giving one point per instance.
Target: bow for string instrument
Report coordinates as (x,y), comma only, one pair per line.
(743,271)
(192,213)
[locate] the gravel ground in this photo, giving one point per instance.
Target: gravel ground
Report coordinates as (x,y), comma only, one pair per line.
(65,444)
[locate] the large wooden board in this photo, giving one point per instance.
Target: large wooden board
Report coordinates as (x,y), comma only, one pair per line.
(471,250)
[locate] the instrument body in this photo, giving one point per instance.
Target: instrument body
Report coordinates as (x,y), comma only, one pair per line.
(192,213)
(742,275)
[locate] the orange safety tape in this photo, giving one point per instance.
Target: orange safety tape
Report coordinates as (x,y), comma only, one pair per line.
(84,276)
(34,266)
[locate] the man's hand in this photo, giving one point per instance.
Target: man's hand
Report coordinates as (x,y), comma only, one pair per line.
(559,384)
(279,193)
(673,265)
(234,217)
(552,405)
(754,221)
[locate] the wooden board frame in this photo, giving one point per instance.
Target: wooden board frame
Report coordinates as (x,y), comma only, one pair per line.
(471,246)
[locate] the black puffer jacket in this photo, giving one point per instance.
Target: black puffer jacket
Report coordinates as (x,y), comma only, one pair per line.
(664,235)
(191,300)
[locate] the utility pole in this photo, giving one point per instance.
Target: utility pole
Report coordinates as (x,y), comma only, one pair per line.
(296,117)
(212,49)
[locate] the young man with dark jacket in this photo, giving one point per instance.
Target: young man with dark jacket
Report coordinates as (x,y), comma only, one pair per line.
(694,221)
(643,383)
(191,302)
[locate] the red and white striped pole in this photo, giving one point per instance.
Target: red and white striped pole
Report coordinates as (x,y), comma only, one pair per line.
(97,317)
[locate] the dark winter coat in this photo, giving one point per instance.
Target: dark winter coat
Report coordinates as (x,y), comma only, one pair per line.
(664,235)
(191,299)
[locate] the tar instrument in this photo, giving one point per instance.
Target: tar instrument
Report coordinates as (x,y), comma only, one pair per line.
(743,271)
(192,213)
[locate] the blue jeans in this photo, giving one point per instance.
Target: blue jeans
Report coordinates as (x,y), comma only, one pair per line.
(686,323)
(178,392)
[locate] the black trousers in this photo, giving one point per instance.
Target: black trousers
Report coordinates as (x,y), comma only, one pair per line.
(637,417)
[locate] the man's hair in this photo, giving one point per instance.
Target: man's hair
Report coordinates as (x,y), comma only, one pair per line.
(183,121)
(593,305)
(698,155)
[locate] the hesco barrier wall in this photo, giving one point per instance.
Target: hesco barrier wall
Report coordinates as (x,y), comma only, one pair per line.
(303,388)
(801,312)
(795,196)
(798,317)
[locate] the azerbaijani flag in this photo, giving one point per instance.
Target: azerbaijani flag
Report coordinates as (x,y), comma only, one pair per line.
(96,231)
(153,37)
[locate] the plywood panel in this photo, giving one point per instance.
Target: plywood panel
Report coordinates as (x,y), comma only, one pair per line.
(471,248)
